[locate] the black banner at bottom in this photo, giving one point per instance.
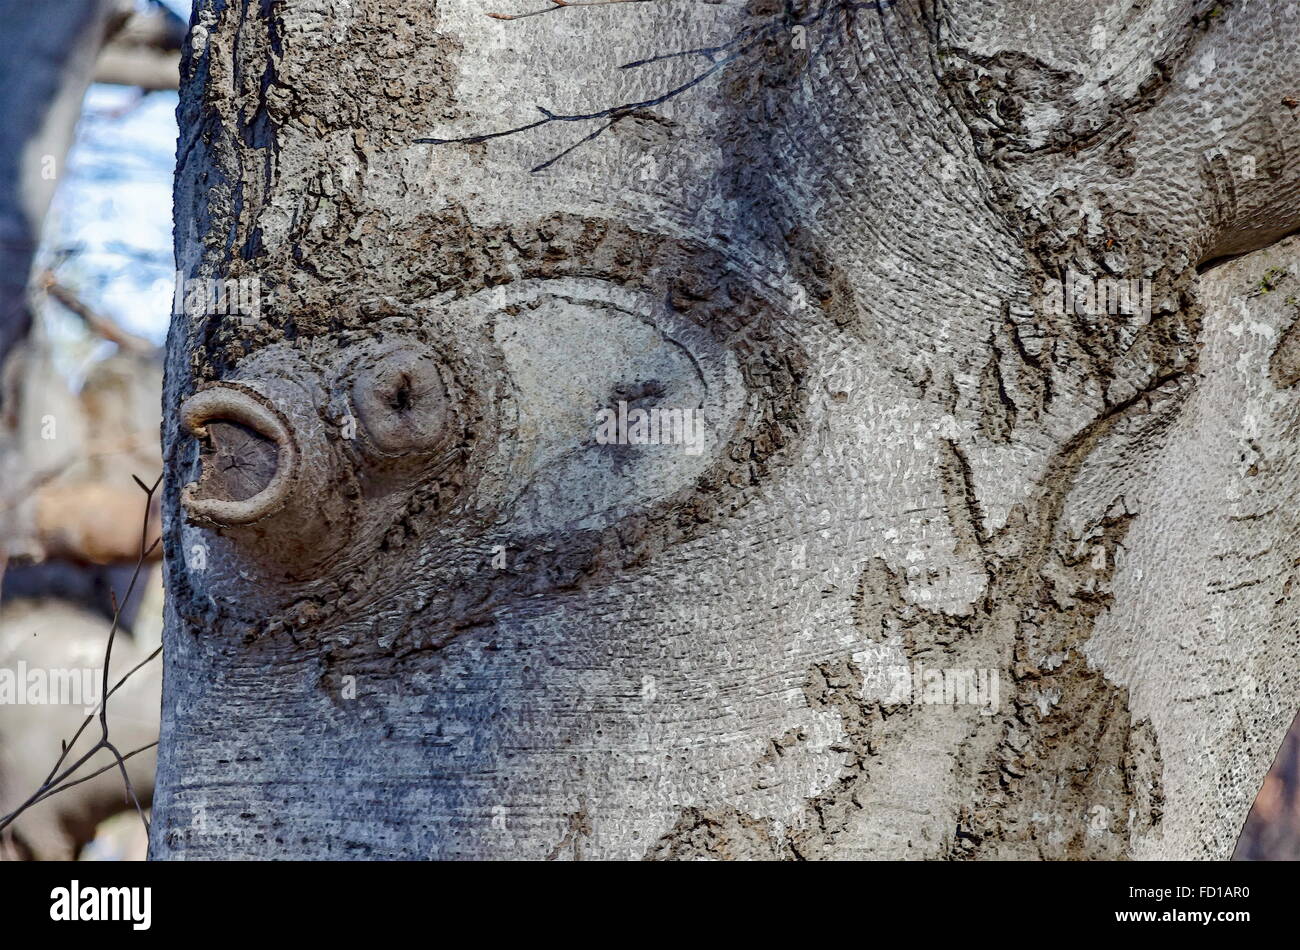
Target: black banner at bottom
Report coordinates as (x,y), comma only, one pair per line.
(338,900)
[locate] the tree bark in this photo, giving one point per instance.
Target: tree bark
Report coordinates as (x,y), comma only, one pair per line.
(435,615)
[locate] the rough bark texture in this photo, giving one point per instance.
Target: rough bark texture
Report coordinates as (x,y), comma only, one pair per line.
(839,247)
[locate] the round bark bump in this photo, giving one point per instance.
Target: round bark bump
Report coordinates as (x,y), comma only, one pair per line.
(401,403)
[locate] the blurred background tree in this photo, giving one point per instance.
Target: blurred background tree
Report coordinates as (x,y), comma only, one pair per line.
(86,155)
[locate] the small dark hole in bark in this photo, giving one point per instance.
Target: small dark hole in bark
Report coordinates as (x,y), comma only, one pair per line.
(402,398)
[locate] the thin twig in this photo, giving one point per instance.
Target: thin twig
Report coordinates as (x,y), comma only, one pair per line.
(739,45)
(55,781)
(96,321)
(67,746)
(612,113)
(112,765)
(130,789)
(560,5)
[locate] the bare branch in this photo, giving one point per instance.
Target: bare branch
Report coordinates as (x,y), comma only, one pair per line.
(67,745)
(96,321)
(112,765)
(130,789)
(559,5)
(739,45)
(58,780)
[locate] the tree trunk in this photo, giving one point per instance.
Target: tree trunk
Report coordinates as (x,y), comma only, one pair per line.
(963,564)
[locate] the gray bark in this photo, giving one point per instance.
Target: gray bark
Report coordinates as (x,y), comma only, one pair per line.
(838,246)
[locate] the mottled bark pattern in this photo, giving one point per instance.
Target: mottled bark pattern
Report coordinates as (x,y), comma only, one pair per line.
(438,619)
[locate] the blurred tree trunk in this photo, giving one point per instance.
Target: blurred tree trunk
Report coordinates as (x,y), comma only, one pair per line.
(47,58)
(46,633)
(69,512)
(49,54)
(419,607)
